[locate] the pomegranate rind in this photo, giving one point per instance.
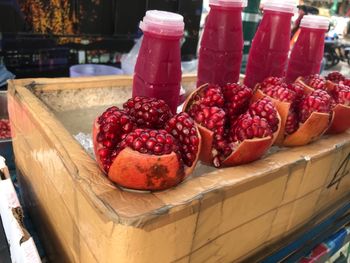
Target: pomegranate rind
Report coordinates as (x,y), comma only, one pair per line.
(282,109)
(206,154)
(340,119)
(138,171)
(248,151)
(307,88)
(313,128)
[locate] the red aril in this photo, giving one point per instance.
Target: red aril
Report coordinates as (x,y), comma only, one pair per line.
(225,141)
(143,146)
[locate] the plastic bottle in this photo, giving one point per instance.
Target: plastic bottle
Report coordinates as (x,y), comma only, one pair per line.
(158,66)
(269,52)
(307,53)
(221,47)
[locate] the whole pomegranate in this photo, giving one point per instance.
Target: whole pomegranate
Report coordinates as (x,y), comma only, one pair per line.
(143,146)
(233,131)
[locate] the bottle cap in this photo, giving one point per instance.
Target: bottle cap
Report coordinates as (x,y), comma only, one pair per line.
(286,6)
(229,3)
(163,23)
(312,21)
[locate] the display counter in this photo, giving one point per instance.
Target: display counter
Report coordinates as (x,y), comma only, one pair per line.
(215,215)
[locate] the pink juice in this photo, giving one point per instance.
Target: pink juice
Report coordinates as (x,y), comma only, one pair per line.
(307,53)
(268,55)
(221,47)
(158,66)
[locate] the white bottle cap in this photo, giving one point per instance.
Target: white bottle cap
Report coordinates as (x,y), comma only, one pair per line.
(312,21)
(229,3)
(286,6)
(163,23)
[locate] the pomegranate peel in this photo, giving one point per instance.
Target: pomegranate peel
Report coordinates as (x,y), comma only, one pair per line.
(243,153)
(309,131)
(340,120)
(205,154)
(282,108)
(140,171)
(307,88)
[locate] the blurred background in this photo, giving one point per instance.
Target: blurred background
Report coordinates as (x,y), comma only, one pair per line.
(40,38)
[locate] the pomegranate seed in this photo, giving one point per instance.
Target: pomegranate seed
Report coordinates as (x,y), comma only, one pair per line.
(148,112)
(265,109)
(335,77)
(318,100)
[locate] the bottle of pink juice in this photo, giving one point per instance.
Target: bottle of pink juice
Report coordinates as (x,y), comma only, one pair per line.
(268,55)
(158,66)
(221,47)
(307,53)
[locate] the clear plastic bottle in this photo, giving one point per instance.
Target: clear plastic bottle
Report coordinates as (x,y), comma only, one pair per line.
(221,47)
(158,66)
(307,53)
(268,55)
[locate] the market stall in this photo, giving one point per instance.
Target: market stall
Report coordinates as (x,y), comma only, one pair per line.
(160,165)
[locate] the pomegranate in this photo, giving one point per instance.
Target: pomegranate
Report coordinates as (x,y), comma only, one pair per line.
(233,132)
(346,82)
(317,101)
(291,102)
(335,77)
(5,130)
(337,87)
(341,107)
(143,146)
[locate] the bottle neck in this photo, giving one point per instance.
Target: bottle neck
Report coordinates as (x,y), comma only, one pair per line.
(320,30)
(161,36)
(277,13)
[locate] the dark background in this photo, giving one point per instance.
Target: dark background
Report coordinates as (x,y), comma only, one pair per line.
(44,38)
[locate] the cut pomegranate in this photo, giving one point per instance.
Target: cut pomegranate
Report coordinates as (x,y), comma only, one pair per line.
(315,81)
(295,105)
(5,130)
(318,100)
(143,147)
(225,139)
(341,106)
(249,127)
(346,82)
(335,77)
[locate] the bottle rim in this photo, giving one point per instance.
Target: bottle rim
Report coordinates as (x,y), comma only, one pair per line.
(313,21)
(229,3)
(286,6)
(163,23)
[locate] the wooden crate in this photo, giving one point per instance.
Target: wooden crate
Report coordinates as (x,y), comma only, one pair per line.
(217,215)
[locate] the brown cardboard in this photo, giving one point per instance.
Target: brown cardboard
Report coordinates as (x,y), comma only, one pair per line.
(89,219)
